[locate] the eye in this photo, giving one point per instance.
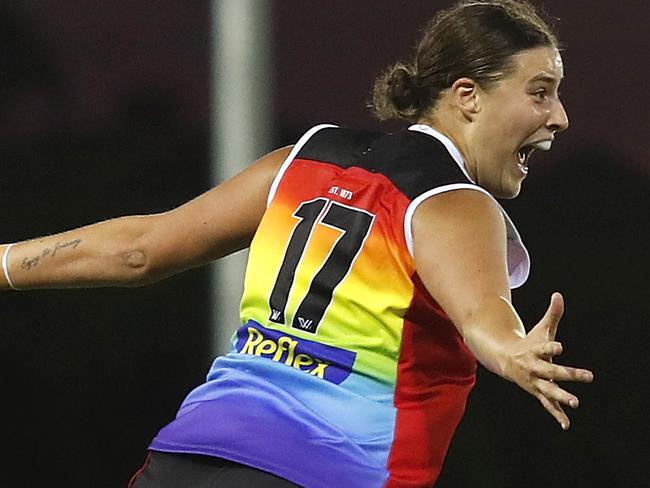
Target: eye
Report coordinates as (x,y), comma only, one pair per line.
(540,95)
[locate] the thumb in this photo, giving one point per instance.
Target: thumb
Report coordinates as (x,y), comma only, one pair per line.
(551,319)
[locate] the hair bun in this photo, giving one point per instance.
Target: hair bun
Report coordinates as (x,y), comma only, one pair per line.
(397,93)
(403,87)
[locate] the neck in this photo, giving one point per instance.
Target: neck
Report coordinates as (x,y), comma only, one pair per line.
(456,132)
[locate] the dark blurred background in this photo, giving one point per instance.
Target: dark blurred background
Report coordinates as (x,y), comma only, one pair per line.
(105,111)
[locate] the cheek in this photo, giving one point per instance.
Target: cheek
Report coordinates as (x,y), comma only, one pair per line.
(498,127)
(506,123)
(519,125)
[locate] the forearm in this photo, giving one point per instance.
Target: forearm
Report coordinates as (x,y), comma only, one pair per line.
(110,253)
(493,333)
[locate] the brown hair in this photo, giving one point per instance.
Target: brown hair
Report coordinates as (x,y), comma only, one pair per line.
(474,39)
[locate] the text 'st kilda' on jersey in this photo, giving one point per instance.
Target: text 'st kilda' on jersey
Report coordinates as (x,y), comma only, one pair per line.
(345,372)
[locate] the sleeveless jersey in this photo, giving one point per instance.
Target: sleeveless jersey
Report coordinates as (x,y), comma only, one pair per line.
(345,371)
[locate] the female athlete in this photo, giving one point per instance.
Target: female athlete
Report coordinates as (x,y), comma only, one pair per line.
(379,272)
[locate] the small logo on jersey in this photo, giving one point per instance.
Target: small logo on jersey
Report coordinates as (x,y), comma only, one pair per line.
(320,360)
(342,192)
(304,323)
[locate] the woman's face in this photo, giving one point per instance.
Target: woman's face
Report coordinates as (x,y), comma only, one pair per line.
(520,111)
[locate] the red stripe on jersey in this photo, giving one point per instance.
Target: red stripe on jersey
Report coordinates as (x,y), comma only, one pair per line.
(435,374)
(147,461)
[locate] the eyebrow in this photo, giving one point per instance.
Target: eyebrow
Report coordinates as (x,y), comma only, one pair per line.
(544,77)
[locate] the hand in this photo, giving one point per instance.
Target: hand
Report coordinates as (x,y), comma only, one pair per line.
(530,365)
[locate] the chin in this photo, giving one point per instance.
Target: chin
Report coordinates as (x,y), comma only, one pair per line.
(507,193)
(513,194)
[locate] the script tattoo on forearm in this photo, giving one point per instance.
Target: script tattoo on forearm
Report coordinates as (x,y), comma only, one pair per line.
(29,263)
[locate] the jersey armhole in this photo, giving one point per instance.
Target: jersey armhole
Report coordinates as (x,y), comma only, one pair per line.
(285,165)
(518,257)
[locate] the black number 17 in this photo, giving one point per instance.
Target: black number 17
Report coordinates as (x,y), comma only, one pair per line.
(355,224)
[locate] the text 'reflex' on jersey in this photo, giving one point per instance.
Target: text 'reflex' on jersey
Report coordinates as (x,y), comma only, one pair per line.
(345,371)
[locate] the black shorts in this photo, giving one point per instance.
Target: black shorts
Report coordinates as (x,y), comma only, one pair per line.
(168,470)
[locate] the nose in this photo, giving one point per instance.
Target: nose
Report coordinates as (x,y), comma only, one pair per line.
(558,119)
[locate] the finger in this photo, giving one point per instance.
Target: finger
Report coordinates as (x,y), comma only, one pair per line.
(556,411)
(553,392)
(547,326)
(547,350)
(554,314)
(555,372)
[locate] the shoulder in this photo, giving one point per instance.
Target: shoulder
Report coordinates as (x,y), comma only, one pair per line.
(462,205)
(454,211)
(465,224)
(269,164)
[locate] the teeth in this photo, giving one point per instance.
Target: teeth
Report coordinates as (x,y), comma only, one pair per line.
(543,145)
(522,161)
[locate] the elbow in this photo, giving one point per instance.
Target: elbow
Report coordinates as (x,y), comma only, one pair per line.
(144,267)
(137,268)
(135,252)
(135,259)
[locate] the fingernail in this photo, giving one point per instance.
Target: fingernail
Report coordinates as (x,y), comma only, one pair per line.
(565,426)
(589,377)
(574,403)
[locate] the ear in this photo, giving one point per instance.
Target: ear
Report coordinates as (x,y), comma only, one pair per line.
(465,93)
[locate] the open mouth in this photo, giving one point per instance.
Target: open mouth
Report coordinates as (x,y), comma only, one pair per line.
(524,155)
(524,152)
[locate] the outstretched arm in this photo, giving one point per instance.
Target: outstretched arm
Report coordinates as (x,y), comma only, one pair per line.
(460,255)
(136,250)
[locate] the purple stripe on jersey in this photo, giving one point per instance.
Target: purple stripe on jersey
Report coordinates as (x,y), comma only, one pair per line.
(250,420)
